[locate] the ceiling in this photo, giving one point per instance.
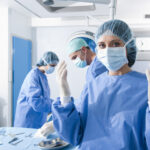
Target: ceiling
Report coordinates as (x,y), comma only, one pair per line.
(34,9)
(77,7)
(132,8)
(126,9)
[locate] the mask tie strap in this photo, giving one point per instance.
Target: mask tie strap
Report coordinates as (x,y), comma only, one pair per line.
(128,42)
(45,61)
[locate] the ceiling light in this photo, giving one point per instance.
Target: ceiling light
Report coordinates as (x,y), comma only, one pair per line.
(48,2)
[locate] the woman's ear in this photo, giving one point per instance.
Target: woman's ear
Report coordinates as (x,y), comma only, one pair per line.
(46,67)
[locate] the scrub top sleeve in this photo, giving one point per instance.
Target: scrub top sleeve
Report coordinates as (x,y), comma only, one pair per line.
(36,99)
(147,127)
(67,122)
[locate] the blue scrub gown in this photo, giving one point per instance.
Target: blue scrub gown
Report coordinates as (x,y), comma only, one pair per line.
(96,68)
(112,114)
(34,103)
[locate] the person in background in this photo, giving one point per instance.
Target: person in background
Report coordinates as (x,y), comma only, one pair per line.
(34,102)
(82,52)
(114,112)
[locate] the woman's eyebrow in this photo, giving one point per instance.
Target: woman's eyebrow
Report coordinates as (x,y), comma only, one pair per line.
(117,40)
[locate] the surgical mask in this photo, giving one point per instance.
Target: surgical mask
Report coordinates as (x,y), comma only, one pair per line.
(80,63)
(50,70)
(113,57)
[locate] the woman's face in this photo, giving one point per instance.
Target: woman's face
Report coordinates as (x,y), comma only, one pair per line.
(50,65)
(109,41)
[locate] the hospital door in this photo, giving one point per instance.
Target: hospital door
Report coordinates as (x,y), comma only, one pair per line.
(21,66)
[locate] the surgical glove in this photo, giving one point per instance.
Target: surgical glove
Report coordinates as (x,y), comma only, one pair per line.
(45,130)
(63,84)
(148,78)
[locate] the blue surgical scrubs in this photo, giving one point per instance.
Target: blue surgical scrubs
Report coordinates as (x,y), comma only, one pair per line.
(96,68)
(34,103)
(113,114)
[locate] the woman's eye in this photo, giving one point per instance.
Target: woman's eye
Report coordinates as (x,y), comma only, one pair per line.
(102,46)
(52,65)
(116,44)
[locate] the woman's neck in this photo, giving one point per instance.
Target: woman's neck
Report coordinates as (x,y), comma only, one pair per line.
(41,69)
(123,70)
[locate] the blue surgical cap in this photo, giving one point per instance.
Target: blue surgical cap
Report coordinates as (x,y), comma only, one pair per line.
(122,31)
(48,58)
(75,45)
(91,43)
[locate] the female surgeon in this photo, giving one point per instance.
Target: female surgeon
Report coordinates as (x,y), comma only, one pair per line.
(114,113)
(34,102)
